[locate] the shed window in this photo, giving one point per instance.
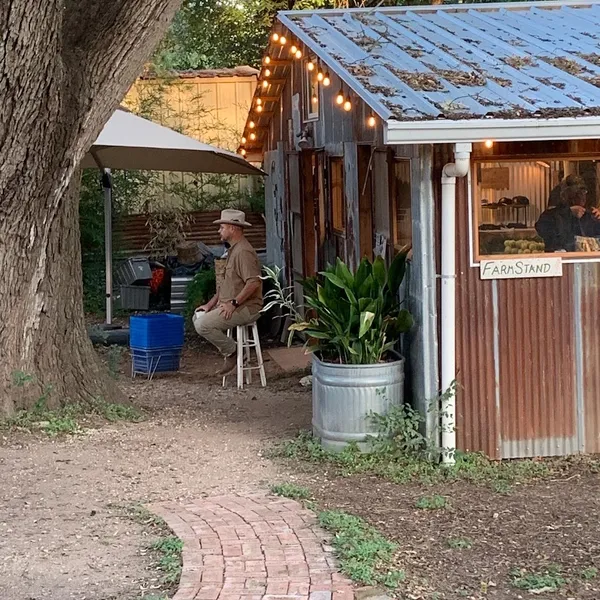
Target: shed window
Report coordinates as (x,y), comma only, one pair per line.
(537,206)
(311,95)
(400,209)
(338,205)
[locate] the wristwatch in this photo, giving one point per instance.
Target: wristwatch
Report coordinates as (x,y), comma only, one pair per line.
(235,303)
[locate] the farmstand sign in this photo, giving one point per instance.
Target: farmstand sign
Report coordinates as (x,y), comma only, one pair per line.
(522,268)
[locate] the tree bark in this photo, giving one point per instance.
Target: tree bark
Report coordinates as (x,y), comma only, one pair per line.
(64,67)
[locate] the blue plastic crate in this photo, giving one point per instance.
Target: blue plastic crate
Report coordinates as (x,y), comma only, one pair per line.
(157,360)
(156,331)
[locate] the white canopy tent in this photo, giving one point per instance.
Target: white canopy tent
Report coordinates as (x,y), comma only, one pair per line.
(130,142)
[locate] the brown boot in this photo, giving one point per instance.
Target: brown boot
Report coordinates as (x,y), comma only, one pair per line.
(230,365)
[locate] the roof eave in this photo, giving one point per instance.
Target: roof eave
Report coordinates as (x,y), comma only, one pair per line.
(442,131)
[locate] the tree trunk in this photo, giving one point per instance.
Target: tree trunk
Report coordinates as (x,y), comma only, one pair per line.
(64,67)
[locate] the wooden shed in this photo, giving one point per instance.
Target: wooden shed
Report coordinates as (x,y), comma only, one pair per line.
(470,132)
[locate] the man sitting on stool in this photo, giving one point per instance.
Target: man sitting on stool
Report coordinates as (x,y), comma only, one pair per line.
(238,300)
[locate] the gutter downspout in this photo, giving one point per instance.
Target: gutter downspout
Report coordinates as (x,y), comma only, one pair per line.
(459,168)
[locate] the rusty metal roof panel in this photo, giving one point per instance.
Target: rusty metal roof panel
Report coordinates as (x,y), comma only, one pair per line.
(512,60)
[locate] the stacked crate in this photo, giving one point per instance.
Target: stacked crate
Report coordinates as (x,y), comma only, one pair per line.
(156,342)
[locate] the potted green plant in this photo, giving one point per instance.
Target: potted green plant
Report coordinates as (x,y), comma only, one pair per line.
(351,322)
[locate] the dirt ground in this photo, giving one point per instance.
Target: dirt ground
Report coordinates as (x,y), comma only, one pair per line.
(63,530)
(535,526)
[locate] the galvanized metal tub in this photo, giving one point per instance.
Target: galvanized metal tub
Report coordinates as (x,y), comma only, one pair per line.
(345,395)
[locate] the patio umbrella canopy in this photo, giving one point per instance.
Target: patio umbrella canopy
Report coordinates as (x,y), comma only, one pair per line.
(129,142)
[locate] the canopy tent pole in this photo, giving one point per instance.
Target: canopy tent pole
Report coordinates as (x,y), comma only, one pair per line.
(107,189)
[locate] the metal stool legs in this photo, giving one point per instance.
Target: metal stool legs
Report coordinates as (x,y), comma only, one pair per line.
(247,338)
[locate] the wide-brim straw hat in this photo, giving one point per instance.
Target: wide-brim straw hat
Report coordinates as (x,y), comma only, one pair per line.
(230,216)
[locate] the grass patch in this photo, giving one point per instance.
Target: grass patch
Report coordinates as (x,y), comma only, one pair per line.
(460,543)
(387,462)
(169,549)
(364,554)
(589,573)
(548,580)
(291,490)
(436,502)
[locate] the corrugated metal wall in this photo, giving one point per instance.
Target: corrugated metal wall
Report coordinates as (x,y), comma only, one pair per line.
(528,358)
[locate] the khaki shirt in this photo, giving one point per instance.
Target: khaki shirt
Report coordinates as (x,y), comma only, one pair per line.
(241,266)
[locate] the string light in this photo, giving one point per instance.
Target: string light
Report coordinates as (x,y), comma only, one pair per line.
(283,40)
(265,84)
(489,144)
(294,49)
(244,140)
(243,152)
(267,60)
(259,101)
(320,76)
(347,105)
(259,108)
(310,65)
(298,54)
(275,37)
(326,80)
(371,121)
(267,72)
(339,99)
(252,124)
(252,136)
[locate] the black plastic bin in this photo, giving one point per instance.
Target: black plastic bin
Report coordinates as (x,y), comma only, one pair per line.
(133,270)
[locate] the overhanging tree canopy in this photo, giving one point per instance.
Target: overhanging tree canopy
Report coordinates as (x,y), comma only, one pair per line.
(64,66)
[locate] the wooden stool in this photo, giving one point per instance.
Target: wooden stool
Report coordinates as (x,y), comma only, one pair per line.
(247,338)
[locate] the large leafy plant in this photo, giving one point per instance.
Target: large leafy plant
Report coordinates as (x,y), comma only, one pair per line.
(354,318)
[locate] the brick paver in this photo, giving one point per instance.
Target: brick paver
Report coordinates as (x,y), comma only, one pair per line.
(253,547)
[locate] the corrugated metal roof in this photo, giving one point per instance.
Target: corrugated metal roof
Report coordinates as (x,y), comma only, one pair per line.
(508,61)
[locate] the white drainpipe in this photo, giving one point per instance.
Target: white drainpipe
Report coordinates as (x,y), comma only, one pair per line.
(459,168)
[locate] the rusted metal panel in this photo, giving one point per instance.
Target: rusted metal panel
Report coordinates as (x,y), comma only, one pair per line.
(589,280)
(133,234)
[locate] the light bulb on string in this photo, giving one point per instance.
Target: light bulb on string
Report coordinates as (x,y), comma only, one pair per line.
(326,80)
(243,152)
(252,136)
(283,40)
(244,140)
(267,72)
(259,108)
(320,76)
(371,121)
(267,60)
(298,54)
(310,65)
(252,124)
(275,37)
(294,49)
(347,105)
(489,144)
(259,101)
(339,99)
(265,84)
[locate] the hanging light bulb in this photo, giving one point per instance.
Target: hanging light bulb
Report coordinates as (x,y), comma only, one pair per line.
(320,76)
(489,144)
(243,152)
(310,65)
(298,54)
(259,108)
(267,72)
(252,136)
(267,60)
(326,80)
(252,124)
(275,37)
(339,99)
(259,101)
(283,40)
(244,140)
(371,121)
(265,84)
(347,105)
(294,49)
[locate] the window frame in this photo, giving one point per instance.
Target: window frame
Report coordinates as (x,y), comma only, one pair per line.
(337,160)
(308,115)
(393,206)
(474,251)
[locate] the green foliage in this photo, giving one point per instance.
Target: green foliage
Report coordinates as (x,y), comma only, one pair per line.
(200,290)
(548,579)
(460,543)
(291,490)
(589,573)
(435,502)
(364,554)
(355,318)
(170,561)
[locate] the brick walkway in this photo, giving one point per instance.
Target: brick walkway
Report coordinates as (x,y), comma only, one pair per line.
(250,548)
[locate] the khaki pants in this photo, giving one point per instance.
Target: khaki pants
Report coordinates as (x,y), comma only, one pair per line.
(213,327)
